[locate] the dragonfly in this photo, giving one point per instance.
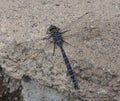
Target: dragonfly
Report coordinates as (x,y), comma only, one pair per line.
(55,33)
(57,39)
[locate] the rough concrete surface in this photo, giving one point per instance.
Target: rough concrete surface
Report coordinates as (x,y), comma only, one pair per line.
(94,54)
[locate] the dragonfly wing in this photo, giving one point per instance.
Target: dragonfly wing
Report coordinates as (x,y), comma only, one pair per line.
(83,28)
(74,27)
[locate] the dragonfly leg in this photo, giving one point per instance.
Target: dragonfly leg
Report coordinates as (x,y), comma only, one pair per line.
(65,31)
(67,74)
(66,42)
(54,49)
(46,38)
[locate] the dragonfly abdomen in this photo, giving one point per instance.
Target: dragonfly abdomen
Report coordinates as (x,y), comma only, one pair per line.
(69,69)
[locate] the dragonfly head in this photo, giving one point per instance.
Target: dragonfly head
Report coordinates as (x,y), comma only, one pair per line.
(53,28)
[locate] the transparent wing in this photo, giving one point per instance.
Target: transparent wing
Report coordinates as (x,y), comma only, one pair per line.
(74,29)
(71,33)
(70,30)
(84,28)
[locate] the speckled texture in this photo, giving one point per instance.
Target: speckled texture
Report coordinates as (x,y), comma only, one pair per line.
(95,39)
(32,91)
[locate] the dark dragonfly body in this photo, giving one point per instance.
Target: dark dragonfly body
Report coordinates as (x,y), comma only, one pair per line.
(57,38)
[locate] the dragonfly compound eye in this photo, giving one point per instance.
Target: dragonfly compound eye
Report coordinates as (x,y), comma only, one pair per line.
(52,27)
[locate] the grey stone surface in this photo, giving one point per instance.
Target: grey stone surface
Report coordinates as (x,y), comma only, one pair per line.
(32,91)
